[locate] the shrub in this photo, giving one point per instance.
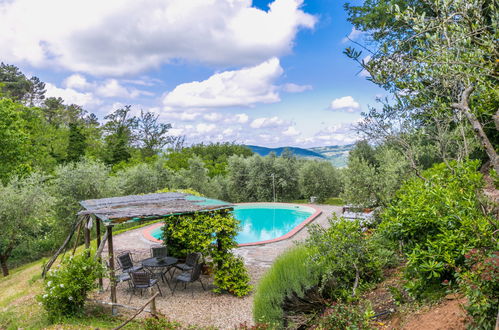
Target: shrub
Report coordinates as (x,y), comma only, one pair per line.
(142,178)
(232,276)
(438,220)
(340,316)
(290,274)
(196,233)
(67,286)
(481,285)
(346,256)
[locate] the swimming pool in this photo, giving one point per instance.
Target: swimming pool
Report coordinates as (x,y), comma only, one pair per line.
(262,222)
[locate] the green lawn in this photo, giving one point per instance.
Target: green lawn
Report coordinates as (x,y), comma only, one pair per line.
(19,308)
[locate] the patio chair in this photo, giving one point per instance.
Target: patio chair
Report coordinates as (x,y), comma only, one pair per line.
(160,251)
(125,262)
(189,277)
(191,260)
(119,278)
(143,280)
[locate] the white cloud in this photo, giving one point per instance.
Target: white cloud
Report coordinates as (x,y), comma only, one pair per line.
(291,131)
(78,82)
(213,116)
(346,103)
(118,37)
(71,96)
(294,88)
(113,88)
(228,131)
(180,115)
(242,118)
(205,128)
(267,122)
(229,88)
(353,35)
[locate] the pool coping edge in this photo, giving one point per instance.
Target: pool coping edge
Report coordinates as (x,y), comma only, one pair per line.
(147,232)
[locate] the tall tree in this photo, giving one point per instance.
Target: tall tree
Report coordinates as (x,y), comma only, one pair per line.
(120,134)
(152,135)
(76,144)
(15,85)
(437,57)
(13,136)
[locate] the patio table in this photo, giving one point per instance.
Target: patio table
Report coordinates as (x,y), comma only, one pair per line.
(152,264)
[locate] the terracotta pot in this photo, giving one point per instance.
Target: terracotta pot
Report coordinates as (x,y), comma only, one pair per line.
(206,270)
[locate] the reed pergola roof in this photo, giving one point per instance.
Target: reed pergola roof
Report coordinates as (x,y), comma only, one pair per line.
(130,208)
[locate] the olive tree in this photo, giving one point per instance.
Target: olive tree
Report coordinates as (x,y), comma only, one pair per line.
(320,179)
(437,58)
(25,208)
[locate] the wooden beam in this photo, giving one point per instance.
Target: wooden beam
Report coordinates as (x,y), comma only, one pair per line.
(151,300)
(97,243)
(63,246)
(111,266)
(87,234)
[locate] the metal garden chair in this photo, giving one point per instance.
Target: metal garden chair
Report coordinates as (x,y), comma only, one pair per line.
(189,277)
(143,280)
(125,262)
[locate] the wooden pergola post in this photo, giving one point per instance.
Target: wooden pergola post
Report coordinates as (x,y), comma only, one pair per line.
(109,229)
(87,234)
(97,241)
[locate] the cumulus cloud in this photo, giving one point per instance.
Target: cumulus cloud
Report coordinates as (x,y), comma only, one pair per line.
(203,128)
(70,96)
(118,37)
(267,122)
(229,88)
(294,88)
(353,35)
(346,103)
(291,131)
(213,116)
(242,118)
(78,82)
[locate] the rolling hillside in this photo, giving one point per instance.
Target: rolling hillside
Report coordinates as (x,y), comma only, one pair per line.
(337,155)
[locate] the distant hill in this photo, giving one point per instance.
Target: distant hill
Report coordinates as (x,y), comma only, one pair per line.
(337,155)
(299,152)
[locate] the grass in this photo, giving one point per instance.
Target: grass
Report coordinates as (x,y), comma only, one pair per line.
(335,201)
(289,273)
(20,309)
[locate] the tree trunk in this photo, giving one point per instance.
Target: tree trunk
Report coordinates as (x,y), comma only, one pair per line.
(463,106)
(3,263)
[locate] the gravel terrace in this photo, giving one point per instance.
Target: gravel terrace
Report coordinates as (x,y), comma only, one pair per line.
(194,306)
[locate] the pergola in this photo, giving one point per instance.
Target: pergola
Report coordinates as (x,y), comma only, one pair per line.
(133,208)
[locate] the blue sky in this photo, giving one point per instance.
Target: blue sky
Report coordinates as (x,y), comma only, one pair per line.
(270,73)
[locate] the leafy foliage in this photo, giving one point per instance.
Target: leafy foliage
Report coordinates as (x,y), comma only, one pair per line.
(320,179)
(438,220)
(214,155)
(25,213)
(67,286)
(341,316)
(480,281)
(347,257)
(185,234)
(13,149)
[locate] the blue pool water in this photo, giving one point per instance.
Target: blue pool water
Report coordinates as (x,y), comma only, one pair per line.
(261,222)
